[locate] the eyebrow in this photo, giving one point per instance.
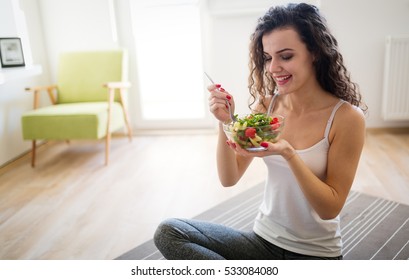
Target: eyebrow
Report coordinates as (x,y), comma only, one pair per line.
(283,50)
(280,51)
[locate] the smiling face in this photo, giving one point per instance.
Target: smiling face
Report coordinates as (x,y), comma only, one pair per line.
(288,61)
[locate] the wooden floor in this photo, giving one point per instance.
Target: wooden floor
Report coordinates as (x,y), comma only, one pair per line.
(73,207)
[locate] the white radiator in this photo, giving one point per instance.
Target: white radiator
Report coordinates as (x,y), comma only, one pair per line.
(396,79)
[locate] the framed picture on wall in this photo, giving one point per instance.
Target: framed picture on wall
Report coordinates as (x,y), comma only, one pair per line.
(11,52)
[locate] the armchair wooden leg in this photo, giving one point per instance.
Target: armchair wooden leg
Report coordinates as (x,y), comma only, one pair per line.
(33,153)
(107,144)
(126,115)
(128,125)
(108,135)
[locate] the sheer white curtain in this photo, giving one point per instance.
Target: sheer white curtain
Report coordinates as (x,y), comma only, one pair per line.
(169,58)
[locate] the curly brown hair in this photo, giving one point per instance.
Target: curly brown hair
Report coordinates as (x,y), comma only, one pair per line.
(311,26)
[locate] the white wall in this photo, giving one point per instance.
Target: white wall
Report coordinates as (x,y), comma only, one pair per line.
(58,25)
(13,99)
(8,27)
(361,27)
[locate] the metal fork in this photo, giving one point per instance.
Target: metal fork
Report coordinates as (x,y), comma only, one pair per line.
(233,118)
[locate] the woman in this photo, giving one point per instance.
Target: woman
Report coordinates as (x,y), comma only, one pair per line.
(312,166)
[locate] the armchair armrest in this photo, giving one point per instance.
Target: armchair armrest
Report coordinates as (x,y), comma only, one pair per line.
(117,85)
(113,87)
(37,89)
(40,88)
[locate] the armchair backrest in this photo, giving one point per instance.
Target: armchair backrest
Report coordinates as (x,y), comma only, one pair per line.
(82,74)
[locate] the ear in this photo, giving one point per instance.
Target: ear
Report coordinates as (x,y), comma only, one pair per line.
(314,57)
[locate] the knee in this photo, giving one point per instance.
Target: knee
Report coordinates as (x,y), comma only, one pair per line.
(165,232)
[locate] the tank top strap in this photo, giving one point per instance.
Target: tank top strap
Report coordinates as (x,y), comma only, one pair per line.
(331,118)
(272,103)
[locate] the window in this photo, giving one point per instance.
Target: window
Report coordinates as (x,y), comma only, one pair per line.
(169,58)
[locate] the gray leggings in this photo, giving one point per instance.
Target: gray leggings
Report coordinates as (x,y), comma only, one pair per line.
(182,239)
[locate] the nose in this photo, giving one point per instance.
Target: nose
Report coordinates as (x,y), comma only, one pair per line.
(273,66)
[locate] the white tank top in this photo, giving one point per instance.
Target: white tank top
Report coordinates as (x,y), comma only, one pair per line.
(285,217)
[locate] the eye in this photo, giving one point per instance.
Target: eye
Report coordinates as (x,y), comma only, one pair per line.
(286,56)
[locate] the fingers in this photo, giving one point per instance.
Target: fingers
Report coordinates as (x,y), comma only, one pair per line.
(213,87)
(217,101)
(236,147)
(220,96)
(216,91)
(270,149)
(216,104)
(281,147)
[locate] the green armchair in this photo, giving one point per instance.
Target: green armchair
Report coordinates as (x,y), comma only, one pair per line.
(88,101)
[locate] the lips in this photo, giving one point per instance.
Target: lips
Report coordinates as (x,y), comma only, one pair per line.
(281,80)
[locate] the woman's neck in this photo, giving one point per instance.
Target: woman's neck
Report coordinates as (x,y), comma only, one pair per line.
(307,100)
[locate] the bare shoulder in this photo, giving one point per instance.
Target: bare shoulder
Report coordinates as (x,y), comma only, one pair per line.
(349,122)
(350,113)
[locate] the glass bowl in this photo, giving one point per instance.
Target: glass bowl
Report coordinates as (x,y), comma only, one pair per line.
(251,130)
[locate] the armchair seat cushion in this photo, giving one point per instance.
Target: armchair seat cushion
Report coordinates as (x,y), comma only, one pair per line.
(83,120)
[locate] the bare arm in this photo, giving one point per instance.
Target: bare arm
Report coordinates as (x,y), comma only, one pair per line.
(329,196)
(230,165)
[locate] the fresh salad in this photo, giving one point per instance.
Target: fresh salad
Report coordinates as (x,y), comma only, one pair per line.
(253,129)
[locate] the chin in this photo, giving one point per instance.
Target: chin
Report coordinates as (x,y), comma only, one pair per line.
(283,92)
